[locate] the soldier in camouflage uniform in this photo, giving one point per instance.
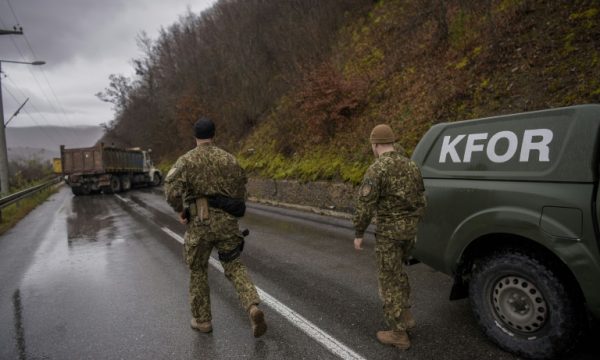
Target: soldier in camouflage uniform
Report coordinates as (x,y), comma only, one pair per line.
(393,189)
(201,173)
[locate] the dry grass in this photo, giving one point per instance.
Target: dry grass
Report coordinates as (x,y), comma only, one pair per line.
(399,65)
(14,213)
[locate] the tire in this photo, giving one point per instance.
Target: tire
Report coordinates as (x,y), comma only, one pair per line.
(523,306)
(114,187)
(85,189)
(80,190)
(156,179)
(125,183)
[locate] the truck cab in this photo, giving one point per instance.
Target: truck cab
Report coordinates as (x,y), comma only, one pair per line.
(513,216)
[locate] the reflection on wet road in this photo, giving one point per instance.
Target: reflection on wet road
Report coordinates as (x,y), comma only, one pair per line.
(19,332)
(96,277)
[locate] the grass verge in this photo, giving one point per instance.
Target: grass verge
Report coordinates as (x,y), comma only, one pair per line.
(12,214)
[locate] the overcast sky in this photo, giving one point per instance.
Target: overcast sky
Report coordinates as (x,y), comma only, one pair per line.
(82,42)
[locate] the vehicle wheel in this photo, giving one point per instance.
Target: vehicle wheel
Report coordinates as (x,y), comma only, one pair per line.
(114,187)
(156,179)
(85,189)
(125,183)
(523,306)
(76,190)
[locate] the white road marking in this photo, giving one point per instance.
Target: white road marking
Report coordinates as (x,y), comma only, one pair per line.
(121,198)
(310,329)
(173,234)
(140,210)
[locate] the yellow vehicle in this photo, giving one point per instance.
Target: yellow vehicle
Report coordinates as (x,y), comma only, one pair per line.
(57,165)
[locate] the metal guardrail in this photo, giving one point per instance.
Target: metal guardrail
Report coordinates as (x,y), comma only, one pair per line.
(13,198)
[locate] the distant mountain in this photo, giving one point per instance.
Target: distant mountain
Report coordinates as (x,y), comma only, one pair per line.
(27,153)
(44,142)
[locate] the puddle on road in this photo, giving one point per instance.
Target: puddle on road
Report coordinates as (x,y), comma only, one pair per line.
(84,262)
(89,220)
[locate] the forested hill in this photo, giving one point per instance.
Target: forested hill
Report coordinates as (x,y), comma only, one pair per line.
(295,86)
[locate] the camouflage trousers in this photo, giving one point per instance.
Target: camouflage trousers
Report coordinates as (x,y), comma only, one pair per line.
(394,287)
(197,256)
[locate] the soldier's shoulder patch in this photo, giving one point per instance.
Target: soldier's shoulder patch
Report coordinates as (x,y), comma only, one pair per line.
(365,189)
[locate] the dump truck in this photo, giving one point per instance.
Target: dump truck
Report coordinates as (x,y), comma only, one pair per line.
(107,169)
(513,217)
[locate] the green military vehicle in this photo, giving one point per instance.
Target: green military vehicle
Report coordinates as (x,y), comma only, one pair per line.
(513,215)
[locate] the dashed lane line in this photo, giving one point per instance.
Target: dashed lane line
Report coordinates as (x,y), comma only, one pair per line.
(310,329)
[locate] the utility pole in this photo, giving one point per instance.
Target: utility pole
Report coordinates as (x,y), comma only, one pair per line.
(4,187)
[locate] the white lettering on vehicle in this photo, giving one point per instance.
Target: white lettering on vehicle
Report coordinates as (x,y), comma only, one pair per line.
(535,140)
(540,146)
(513,143)
(472,147)
(449,148)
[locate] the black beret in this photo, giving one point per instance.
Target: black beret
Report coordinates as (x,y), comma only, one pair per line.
(204,128)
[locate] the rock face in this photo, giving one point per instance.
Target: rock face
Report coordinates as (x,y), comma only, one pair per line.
(319,194)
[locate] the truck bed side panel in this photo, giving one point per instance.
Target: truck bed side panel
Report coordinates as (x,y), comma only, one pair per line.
(100,159)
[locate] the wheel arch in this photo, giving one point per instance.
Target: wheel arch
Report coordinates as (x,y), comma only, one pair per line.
(489,244)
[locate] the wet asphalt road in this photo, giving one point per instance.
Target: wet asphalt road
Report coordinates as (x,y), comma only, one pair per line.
(97,277)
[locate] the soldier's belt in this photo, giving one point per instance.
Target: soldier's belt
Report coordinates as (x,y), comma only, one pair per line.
(232,206)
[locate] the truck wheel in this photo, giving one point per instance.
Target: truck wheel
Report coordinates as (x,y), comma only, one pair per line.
(523,306)
(80,190)
(125,183)
(85,189)
(156,179)
(114,187)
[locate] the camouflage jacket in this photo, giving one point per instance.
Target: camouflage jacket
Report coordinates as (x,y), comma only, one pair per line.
(393,189)
(204,171)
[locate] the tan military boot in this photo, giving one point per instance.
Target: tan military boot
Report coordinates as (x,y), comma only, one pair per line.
(398,339)
(407,319)
(257,318)
(204,327)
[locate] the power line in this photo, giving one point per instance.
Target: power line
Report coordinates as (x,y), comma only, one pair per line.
(14,97)
(34,121)
(67,127)
(44,94)
(38,112)
(30,71)
(61,108)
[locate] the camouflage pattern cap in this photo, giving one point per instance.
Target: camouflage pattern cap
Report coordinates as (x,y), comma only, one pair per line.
(382,134)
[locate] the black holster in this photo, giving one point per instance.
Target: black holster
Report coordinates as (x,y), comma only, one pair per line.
(233,254)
